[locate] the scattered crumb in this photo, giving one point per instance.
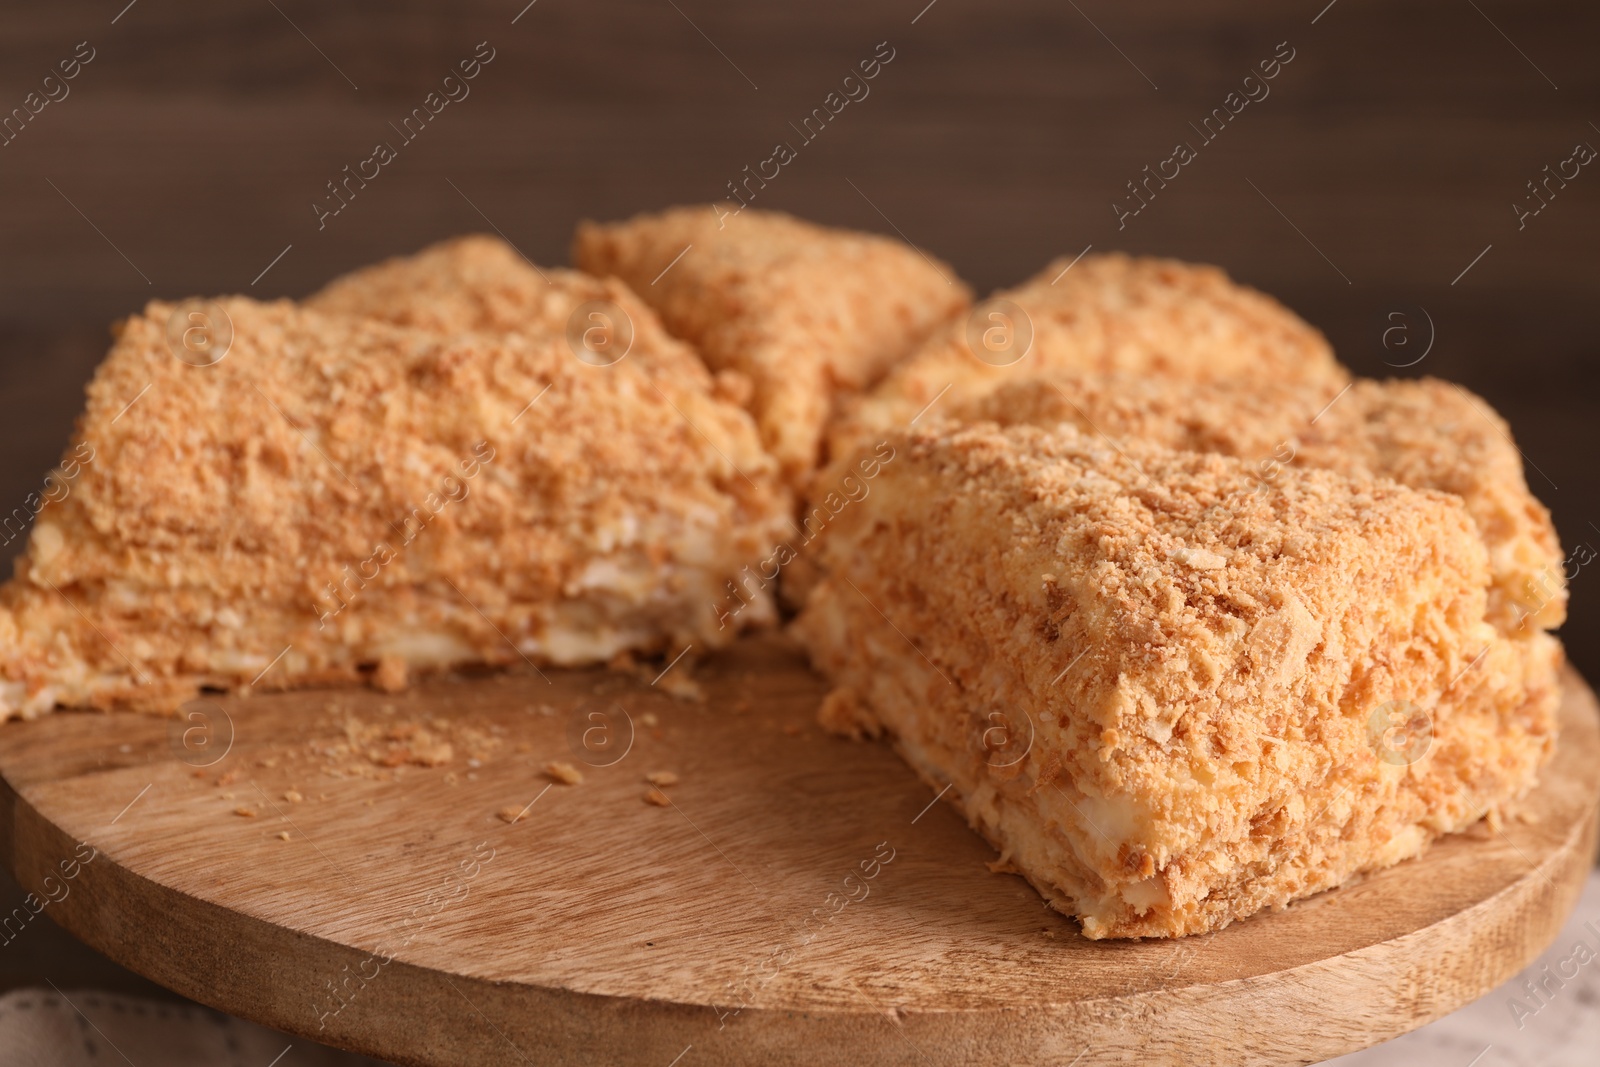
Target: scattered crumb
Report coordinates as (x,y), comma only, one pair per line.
(378,749)
(391,675)
(227,796)
(681,684)
(656,797)
(244,812)
(509,813)
(649,718)
(293,796)
(661,778)
(283,835)
(565,773)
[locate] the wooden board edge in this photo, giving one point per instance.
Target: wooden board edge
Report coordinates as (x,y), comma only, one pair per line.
(1423,975)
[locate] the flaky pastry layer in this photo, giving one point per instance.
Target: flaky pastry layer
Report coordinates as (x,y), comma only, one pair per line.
(810,314)
(339,491)
(1171,697)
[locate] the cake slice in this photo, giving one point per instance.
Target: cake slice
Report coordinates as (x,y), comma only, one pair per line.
(1169,696)
(1427,434)
(338,495)
(808,314)
(1138,316)
(480,284)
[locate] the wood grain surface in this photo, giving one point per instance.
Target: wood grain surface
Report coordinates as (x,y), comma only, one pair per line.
(797,898)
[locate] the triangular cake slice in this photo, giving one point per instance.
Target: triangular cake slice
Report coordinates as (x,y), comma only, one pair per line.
(481,284)
(1139,316)
(1424,433)
(809,314)
(1171,697)
(337,494)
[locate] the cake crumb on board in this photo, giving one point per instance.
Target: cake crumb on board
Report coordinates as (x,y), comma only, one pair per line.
(391,676)
(562,772)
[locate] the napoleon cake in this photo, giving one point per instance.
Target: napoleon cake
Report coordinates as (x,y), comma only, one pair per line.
(1170,696)
(338,495)
(1425,433)
(480,284)
(810,315)
(1142,317)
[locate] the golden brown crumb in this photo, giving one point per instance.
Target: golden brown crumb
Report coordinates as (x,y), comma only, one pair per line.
(1233,675)
(244,812)
(649,718)
(480,284)
(563,773)
(347,490)
(1425,433)
(283,835)
(391,675)
(509,813)
(1139,316)
(657,797)
(806,313)
(679,683)
(661,778)
(293,796)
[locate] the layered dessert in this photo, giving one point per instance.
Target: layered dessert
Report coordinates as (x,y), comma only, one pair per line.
(338,499)
(1170,693)
(809,315)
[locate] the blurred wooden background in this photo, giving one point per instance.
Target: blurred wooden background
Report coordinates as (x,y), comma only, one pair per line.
(1386,158)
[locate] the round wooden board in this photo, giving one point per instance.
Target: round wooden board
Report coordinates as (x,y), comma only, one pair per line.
(404,917)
